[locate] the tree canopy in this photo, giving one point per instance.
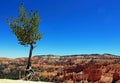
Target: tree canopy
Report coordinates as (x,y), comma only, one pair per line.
(26,26)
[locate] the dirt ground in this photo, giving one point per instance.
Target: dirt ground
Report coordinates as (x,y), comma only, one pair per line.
(18,81)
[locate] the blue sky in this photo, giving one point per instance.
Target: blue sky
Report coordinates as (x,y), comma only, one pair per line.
(68,27)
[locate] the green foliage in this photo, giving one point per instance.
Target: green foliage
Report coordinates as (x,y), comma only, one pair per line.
(25,27)
(43,78)
(11,75)
(17,64)
(50,69)
(52,78)
(2,67)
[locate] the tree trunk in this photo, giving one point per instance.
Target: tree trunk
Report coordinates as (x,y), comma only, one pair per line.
(29,59)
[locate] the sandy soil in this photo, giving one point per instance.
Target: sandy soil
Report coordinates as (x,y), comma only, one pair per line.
(19,81)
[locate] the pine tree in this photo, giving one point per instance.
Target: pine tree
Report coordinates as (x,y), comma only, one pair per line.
(26,29)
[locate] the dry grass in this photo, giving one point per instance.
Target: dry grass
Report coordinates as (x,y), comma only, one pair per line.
(19,81)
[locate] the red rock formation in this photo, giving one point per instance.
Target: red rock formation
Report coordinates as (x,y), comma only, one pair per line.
(94,75)
(116,77)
